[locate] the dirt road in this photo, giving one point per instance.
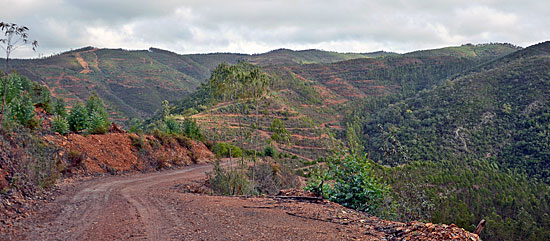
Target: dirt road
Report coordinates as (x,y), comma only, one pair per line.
(154,206)
(151,207)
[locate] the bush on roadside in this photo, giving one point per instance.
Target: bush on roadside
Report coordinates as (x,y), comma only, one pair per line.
(222,149)
(35,165)
(192,130)
(16,85)
(229,181)
(135,125)
(172,126)
(78,118)
(41,96)
(138,141)
(98,118)
(97,123)
(348,181)
(59,108)
(21,109)
(270,178)
(60,125)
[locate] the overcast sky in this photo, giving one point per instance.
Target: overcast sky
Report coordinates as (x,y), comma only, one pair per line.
(255,26)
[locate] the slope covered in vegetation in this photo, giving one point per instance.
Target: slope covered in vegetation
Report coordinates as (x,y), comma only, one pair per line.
(134,83)
(311,99)
(475,147)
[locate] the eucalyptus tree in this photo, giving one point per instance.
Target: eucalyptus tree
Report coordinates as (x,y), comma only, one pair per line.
(14,37)
(242,83)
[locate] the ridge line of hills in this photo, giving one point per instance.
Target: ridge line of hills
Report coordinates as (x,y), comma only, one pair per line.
(135,82)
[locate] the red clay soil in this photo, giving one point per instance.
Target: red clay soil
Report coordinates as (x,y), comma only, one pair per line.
(159,206)
(116,153)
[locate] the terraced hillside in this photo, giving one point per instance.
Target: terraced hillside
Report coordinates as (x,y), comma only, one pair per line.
(308,139)
(312,99)
(134,83)
(310,92)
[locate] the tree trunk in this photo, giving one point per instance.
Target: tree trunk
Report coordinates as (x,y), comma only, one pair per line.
(6,75)
(480,226)
(242,132)
(257,142)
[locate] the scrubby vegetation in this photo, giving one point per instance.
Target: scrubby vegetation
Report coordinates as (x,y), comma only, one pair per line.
(91,117)
(30,163)
(60,125)
(473,148)
(349,180)
(267,176)
(32,167)
(222,149)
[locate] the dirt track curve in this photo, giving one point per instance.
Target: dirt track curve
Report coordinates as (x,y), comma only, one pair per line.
(152,207)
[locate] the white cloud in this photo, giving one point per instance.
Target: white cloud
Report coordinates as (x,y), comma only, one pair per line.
(252,26)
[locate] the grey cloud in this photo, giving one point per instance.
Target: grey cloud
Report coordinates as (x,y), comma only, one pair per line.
(254,26)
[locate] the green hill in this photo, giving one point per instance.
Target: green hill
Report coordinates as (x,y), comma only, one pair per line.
(460,133)
(468,50)
(484,114)
(475,147)
(134,83)
(312,99)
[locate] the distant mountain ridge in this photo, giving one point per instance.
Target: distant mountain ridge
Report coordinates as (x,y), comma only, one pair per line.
(134,83)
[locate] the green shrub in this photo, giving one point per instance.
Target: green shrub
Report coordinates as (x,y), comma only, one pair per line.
(136,125)
(172,126)
(21,109)
(15,86)
(270,151)
(230,181)
(42,97)
(97,124)
(348,181)
(95,103)
(78,118)
(192,130)
(222,149)
(59,108)
(279,133)
(98,118)
(60,125)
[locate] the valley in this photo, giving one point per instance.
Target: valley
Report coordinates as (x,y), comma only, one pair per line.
(450,135)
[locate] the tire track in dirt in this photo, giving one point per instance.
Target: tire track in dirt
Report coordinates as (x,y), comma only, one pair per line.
(155,207)
(83,212)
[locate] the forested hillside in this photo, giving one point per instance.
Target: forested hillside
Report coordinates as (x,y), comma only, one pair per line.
(312,99)
(134,83)
(475,147)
